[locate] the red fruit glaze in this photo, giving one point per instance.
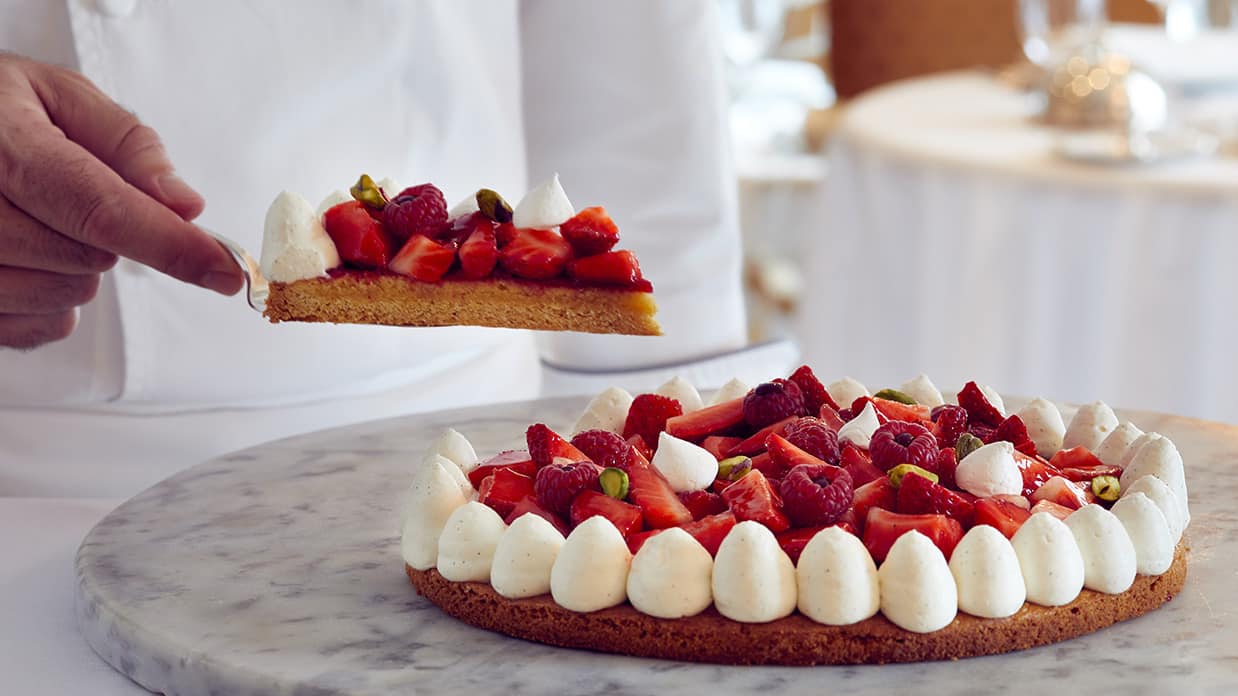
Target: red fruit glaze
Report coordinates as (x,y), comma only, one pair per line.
(711,420)
(557,484)
(627,518)
(535,254)
(503,489)
(883,528)
(479,252)
(815,494)
(753,498)
(424,259)
(609,268)
(416,210)
(647,417)
(591,231)
(545,445)
(649,491)
(360,239)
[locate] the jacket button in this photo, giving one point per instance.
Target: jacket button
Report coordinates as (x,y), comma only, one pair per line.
(116,9)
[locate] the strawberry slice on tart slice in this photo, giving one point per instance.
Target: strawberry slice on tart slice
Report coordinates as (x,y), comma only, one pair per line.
(883,528)
(1014,431)
(627,518)
(535,254)
(360,239)
(504,488)
(424,259)
(653,495)
(814,392)
(608,268)
(545,446)
(1003,515)
(711,420)
(479,252)
(590,232)
(753,498)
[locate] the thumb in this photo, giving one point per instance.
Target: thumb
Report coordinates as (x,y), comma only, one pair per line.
(141,160)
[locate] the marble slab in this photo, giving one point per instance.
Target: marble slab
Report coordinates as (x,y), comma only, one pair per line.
(277,571)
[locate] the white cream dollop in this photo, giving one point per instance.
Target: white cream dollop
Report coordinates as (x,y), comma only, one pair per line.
(671,576)
(431,498)
(333,199)
(1113,448)
(466,546)
(294,244)
(922,389)
(453,470)
(454,446)
(1091,425)
(1049,559)
(754,579)
(591,571)
(917,590)
(1107,551)
(1136,446)
(466,206)
(1044,425)
(681,390)
(1160,458)
(986,572)
(859,430)
(735,388)
(846,390)
(524,556)
(837,579)
(606,411)
(544,207)
(687,467)
(1148,530)
(1159,493)
(990,470)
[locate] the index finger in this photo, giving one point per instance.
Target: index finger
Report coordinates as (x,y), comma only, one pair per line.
(61,184)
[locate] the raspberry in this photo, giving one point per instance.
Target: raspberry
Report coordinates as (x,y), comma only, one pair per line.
(919,496)
(556,485)
(416,210)
(770,402)
(815,494)
(648,415)
(978,407)
(590,232)
(1014,431)
(899,442)
(814,437)
(814,392)
(603,448)
(948,423)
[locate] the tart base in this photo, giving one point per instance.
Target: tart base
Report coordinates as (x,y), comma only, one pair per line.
(495,302)
(794,640)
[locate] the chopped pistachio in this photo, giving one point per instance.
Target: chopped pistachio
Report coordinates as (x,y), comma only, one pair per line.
(369,193)
(897,473)
(895,395)
(1106,488)
(614,482)
(734,468)
(966,444)
(493,206)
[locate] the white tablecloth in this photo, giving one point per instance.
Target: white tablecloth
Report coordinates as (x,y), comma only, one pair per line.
(958,245)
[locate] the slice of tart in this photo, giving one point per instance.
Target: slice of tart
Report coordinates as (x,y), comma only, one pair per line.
(405,260)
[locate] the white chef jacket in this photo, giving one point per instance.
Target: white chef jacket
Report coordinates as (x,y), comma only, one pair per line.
(625,100)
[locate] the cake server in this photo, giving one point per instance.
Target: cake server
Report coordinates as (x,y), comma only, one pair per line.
(256,287)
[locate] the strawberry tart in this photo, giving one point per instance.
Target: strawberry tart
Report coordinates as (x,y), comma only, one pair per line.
(793,523)
(406,260)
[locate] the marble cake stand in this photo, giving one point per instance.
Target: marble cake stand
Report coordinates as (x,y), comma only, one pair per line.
(277,571)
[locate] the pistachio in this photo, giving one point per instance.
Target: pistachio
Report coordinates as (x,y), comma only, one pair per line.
(895,395)
(614,482)
(369,193)
(897,473)
(1106,488)
(734,468)
(966,444)
(493,206)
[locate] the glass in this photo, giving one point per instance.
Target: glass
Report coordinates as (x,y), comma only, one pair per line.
(1051,30)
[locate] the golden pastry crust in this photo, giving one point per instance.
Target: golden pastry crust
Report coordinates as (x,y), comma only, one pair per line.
(795,640)
(497,302)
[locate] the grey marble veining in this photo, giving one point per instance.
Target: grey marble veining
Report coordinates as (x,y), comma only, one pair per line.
(277,571)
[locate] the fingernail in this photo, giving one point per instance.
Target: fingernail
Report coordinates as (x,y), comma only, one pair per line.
(223,282)
(174,188)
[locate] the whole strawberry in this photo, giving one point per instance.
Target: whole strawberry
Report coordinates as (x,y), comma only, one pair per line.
(557,484)
(416,210)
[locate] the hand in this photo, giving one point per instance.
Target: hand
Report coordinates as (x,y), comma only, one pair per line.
(81,182)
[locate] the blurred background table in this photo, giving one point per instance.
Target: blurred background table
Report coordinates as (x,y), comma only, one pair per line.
(957,243)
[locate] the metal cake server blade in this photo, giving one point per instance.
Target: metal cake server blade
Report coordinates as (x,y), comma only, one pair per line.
(256,287)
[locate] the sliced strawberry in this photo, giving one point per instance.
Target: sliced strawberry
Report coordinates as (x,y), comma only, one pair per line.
(535,254)
(647,417)
(883,528)
(545,445)
(710,531)
(423,259)
(909,413)
(702,503)
(479,252)
(503,489)
(1064,492)
(720,445)
(764,464)
(753,498)
(591,231)
(815,393)
(627,518)
(611,268)
(918,495)
(1081,475)
(795,539)
(1035,471)
(857,463)
(529,504)
(830,416)
(504,234)
(518,461)
(1059,511)
(857,407)
(638,540)
(978,407)
(648,490)
(786,456)
(878,493)
(711,420)
(1076,458)
(360,239)
(1003,515)
(756,443)
(638,442)
(947,463)
(1013,430)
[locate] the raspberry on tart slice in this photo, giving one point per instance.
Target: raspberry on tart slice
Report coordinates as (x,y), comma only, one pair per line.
(883,528)
(557,485)
(711,420)
(753,498)
(1002,515)
(647,417)
(815,494)
(545,446)
(504,488)
(627,518)
(416,210)
(602,447)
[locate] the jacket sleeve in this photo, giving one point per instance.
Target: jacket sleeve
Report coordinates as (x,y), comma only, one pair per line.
(627,102)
